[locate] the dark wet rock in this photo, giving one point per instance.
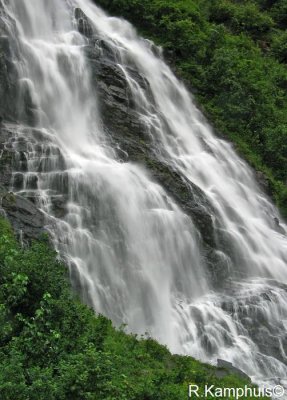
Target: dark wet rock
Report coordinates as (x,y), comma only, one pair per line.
(6,157)
(32,182)
(18,180)
(8,78)
(133,142)
(84,26)
(262,180)
(119,115)
(278,227)
(24,216)
(12,156)
(218,264)
(27,109)
(5,167)
(231,369)
(249,311)
(59,206)
(21,208)
(187,195)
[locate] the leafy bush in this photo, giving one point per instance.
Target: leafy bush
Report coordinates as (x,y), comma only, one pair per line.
(243,17)
(279,13)
(279,46)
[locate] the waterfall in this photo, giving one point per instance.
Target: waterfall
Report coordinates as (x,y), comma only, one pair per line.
(134,252)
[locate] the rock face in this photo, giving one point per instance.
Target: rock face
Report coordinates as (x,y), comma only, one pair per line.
(130,137)
(26,219)
(250,311)
(231,369)
(18,145)
(83,23)
(8,78)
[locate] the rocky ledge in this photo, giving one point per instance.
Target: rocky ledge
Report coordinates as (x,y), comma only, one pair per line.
(26,219)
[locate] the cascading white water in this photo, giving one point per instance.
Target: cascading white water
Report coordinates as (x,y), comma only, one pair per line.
(135,256)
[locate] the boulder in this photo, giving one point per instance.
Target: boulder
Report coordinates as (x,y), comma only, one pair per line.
(278,227)
(24,216)
(231,369)
(84,26)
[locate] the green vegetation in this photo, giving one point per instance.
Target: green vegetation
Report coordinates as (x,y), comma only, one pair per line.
(53,347)
(234,54)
